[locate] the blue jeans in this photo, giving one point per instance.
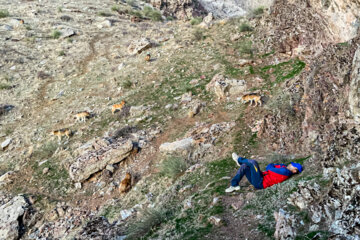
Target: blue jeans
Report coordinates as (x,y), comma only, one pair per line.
(251,169)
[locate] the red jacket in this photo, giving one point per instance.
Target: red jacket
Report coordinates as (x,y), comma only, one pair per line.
(275,173)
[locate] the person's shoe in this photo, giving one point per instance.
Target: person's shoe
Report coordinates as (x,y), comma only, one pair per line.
(231,189)
(236,157)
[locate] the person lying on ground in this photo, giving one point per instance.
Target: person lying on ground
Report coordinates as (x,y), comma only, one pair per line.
(275,173)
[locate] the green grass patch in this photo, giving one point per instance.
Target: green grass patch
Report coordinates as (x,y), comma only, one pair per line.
(318,235)
(245,27)
(196,21)
(104,14)
(150,220)
(4,86)
(258,11)
(55,34)
(173,167)
(45,151)
(151,13)
(281,72)
(4,13)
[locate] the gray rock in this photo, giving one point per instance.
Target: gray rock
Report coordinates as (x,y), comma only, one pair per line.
(137,47)
(6,178)
(284,229)
(94,161)
(178,146)
(5,143)
(9,215)
(126,213)
(67,32)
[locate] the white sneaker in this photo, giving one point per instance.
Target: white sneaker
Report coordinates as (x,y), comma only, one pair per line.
(235,157)
(231,189)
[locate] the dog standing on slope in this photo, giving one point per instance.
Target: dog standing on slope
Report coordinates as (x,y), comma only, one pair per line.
(117,106)
(82,116)
(125,184)
(252,97)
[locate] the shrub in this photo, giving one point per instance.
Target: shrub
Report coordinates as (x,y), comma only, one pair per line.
(150,219)
(61,53)
(127,84)
(104,14)
(244,27)
(173,167)
(151,13)
(115,8)
(258,11)
(4,86)
(136,13)
(55,34)
(196,21)
(198,35)
(131,2)
(4,13)
(170,18)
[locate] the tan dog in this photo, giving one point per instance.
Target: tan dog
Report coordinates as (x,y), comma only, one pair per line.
(117,106)
(81,116)
(62,132)
(125,184)
(251,98)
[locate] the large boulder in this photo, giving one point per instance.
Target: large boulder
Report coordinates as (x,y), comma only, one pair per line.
(93,161)
(180,9)
(137,47)
(182,145)
(354,95)
(233,8)
(223,87)
(9,214)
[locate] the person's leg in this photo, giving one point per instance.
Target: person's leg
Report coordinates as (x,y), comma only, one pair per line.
(239,175)
(254,174)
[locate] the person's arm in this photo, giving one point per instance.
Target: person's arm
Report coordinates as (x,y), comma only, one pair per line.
(280,170)
(272,165)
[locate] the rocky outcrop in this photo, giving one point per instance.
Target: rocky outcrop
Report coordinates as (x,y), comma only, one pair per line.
(233,8)
(178,146)
(105,153)
(137,47)
(338,207)
(10,213)
(223,87)
(342,17)
(354,95)
(180,9)
(285,225)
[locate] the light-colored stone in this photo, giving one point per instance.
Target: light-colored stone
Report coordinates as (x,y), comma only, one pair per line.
(9,215)
(126,213)
(6,178)
(5,143)
(178,146)
(137,47)
(94,161)
(215,220)
(284,225)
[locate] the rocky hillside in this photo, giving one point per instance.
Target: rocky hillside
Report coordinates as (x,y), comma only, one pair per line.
(118,118)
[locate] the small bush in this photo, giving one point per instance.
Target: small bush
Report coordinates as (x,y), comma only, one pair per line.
(59,9)
(4,13)
(246,48)
(127,84)
(55,34)
(258,11)
(136,13)
(244,27)
(4,86)
(104,14)
(170,18)
(150,219)
(131,2)
(198,35)
(61,53)
(196,21)
(115,8)
(173,167)
(151,13)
